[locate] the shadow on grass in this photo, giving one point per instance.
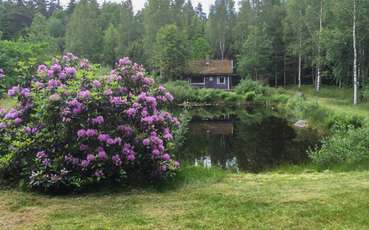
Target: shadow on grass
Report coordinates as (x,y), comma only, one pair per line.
(186,176)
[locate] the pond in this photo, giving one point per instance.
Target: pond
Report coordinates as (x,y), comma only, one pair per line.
(244,140)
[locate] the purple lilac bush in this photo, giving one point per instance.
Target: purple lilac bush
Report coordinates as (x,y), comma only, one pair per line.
(72,128)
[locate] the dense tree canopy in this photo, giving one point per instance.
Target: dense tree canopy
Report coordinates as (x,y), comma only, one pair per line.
(286,41)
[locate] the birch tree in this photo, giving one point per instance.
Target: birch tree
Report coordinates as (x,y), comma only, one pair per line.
(355,52)
(318,77)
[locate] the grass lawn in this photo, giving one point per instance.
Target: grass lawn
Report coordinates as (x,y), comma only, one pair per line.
(333,98)
(214,200)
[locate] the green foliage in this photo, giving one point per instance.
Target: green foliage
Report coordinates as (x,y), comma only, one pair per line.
(110,44)
(255,54)
(200,48)
(220,27)
(184,93)
(171,53)
(347,146)
(83,35)
(19,60)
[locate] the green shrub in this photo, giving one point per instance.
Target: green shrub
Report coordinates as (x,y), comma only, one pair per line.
(345,146)
(20,59)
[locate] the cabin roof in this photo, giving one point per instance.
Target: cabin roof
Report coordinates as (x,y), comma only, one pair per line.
(210,67)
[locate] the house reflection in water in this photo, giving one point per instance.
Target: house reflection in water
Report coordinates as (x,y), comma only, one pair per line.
(246,144)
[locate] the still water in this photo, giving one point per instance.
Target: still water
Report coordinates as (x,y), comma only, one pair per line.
(245,140)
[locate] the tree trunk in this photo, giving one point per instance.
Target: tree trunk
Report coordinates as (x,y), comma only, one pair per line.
(355,53)
(300,47)
(318,77)
(222,48)
(284,71)
(299,76)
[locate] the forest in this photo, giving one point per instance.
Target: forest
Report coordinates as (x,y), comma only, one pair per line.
(280,42)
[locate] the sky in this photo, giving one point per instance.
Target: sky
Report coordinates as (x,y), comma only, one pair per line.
(139,4)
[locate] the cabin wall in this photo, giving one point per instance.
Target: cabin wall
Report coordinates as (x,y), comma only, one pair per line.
(212,82)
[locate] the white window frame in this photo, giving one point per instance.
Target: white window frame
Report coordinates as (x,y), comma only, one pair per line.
(198,83)
(221,83)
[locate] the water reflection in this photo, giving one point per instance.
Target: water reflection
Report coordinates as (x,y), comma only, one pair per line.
(245,142)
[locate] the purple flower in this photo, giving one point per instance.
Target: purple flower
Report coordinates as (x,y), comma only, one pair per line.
(101,154)
(25,92)
(50,73)
(85,163)
(99,173)
(110,141)
(96,84)
(155,152)
(103,137)
(116,101)
(125,129)
(108,92)
(163,168)
(71,71)
(56,68)
(131,112)
(84,94)
(91,132)
(116,160)
(81,133)
(2,125)
(85,64)
(165,157)
(41,154)
(42,70)
(12,114)
(30,131)
(131,157)
(46,162)
(169,96)
(146,141)
(13,91)
(98,120)
(124,61)
(176,164)
(53,83)
(90,157)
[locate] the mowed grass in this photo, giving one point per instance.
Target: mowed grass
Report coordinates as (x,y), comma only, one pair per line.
(216,200)
(333,98)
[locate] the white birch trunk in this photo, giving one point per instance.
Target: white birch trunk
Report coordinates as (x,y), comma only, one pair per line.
(355,53)
(318,77)
(300,47)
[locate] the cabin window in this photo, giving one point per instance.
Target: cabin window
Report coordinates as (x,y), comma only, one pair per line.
(198,80)
(221,80)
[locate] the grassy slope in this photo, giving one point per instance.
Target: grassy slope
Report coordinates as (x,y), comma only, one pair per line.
(246,201)
(333,98)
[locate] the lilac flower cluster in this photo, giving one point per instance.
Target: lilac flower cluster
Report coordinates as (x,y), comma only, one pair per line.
(103,127)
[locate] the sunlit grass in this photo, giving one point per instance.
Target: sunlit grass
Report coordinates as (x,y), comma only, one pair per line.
(333,98)
(7,103)
(305,200)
